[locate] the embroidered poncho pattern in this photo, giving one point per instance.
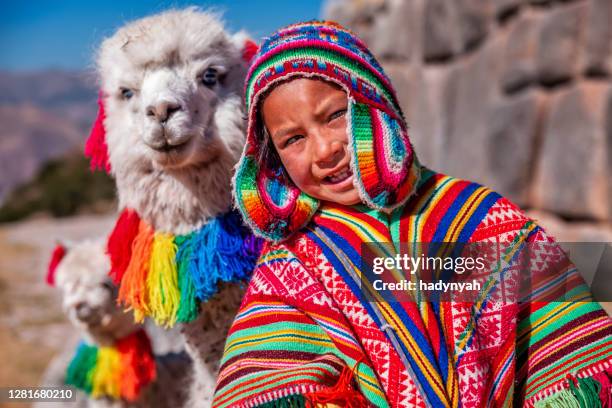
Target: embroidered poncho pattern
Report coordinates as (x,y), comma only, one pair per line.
(305,320)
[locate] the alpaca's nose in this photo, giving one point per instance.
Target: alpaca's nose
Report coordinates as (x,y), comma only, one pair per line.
(162,111)
(83,311)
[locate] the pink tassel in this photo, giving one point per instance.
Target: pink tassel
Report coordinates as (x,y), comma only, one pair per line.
(96,148)
(58,254)
(605,394)
(249,50)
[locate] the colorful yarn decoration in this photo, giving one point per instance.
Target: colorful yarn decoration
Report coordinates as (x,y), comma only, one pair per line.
(165,277)
(249,50)
(56,257)
(118,372)
(120,243)
(382,160)
(96,148)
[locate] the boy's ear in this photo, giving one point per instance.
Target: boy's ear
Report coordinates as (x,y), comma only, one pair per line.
(246,45)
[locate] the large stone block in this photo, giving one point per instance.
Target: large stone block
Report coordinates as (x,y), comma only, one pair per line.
(452,27)
(559,46)
(598,61)
(469,92)
(420,94)
(513,124)
(503,7)
(441,36)
(608,131)
(474,17)
(572,176)
(387,26)
(519,67)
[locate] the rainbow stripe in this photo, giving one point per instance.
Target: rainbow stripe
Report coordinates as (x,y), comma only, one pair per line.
(274,347)
(166,276)
(118,372)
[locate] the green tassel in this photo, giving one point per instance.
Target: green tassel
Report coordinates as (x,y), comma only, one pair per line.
(79,372)
(189,306)
(587,392)
(291,401)
(561,399)
(583,395)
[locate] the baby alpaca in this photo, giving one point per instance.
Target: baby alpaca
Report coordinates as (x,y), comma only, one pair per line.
(114,364)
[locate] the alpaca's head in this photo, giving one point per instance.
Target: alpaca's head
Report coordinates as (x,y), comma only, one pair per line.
(88,295)
(171,81)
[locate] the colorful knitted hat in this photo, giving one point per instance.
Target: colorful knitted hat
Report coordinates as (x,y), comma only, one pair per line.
(384,166)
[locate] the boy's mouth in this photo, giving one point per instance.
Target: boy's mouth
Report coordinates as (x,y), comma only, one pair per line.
(339,176)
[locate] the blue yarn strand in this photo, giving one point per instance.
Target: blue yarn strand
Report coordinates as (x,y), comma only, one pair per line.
(223,250)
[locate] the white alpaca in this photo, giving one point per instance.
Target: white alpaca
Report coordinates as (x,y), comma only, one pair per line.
(172,86)
(89,301)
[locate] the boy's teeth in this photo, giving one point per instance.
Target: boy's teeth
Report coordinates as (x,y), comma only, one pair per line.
(340,176)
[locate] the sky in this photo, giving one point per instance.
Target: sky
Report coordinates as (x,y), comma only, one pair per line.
(63,34)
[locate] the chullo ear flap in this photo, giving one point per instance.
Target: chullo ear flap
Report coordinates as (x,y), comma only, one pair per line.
(384,165)
(275,208)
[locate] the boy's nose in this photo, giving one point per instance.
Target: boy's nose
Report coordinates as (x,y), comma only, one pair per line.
(328,152)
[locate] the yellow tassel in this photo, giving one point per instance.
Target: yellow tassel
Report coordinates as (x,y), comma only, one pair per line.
(162,281)
(106,378)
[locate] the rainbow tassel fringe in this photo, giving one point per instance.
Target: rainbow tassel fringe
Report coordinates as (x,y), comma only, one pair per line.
(115,372)
(165,277)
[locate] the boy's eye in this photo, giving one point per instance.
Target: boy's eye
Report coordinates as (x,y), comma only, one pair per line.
(292,140)
(337,114)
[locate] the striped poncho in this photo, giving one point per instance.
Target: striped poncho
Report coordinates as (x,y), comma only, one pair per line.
(306,331)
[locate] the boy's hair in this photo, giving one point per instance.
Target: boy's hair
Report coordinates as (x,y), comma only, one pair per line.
(268,155)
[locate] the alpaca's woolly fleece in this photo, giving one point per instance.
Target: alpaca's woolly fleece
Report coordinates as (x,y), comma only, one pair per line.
(166,277)
(119,371)
(161,59)
(382,161)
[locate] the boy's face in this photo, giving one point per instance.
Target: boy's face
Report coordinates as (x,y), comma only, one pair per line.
(306,119)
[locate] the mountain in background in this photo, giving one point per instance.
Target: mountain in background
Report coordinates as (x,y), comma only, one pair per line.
(44,115)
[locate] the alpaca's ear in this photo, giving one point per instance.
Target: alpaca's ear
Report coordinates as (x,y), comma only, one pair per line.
(96,148)
(246,45)
(56,257)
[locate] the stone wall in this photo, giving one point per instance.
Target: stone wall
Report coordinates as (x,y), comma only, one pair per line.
(514,94)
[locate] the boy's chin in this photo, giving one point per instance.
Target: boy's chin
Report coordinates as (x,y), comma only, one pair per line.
(345,198)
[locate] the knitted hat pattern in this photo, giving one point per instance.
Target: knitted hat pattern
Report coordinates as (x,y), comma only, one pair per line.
(385,169)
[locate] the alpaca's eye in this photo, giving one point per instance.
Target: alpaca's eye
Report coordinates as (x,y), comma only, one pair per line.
(107,285)
(210,77)
(126,93)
